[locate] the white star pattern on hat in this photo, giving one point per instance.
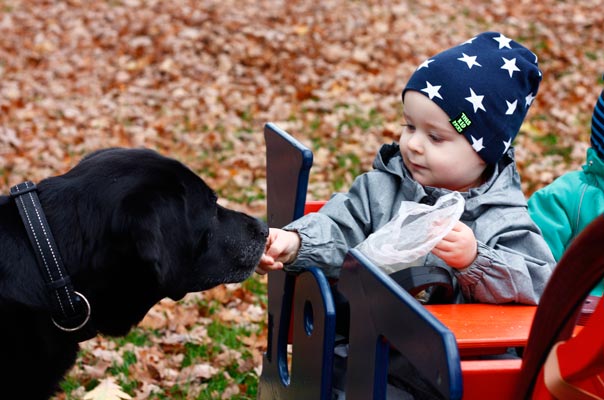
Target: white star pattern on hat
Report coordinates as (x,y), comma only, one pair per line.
(506,145)
(510,65)
(511,107)
(424,64)
(503,41)
(477,144)
(476,100)
(432,91)
(474,72)
(470,60)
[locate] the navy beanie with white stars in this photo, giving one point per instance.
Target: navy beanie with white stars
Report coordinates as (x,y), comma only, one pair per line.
(597,126)
(485,85)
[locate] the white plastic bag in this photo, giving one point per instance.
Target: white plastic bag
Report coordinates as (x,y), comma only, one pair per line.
(412,233)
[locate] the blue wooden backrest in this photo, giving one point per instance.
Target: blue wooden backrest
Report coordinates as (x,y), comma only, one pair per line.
(288,163)
(383,315)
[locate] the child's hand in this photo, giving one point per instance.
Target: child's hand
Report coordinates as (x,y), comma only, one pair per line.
(281,248)
(458,248)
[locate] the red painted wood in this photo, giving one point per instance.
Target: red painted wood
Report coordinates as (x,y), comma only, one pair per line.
(486,328)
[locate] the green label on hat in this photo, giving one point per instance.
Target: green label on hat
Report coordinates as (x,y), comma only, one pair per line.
(461,123)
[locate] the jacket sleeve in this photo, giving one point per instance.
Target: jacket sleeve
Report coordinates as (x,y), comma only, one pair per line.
(513,264)
(549,210)
(343,222)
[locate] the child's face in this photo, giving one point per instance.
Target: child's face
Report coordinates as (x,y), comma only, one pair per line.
(432,149)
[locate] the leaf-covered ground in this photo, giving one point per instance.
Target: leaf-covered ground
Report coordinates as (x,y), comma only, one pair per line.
(198,79)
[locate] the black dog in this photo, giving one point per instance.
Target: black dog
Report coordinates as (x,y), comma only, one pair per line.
(131,228)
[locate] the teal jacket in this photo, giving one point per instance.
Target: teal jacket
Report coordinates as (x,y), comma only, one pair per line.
(567,205)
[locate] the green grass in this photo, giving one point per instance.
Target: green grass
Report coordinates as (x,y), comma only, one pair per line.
(207,308)
(129,359)
(358,119)
(137,336)
(550,139)
(193,353)
(226,335)
(255,286)
(69,384)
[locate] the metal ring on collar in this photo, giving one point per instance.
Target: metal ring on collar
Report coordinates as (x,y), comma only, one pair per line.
(85,319)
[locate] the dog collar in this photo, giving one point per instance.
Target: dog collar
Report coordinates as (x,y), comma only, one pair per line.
(70,309)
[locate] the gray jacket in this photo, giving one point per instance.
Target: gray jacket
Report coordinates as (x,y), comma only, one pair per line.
(513,262)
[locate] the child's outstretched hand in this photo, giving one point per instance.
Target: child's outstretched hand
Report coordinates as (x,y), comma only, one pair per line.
(458,248)
(281,248)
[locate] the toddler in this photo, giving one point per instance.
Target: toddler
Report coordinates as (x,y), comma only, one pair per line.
(462,108)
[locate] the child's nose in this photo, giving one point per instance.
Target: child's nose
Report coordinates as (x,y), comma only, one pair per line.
(415,143)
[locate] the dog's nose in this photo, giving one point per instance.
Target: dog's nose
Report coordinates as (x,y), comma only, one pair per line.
(263,229)
(257,227)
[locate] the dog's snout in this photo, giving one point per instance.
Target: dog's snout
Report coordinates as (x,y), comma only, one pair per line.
(263,229)
(258,229)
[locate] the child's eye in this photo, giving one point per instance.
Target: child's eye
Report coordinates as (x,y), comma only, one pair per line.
(435,138)
(408,128)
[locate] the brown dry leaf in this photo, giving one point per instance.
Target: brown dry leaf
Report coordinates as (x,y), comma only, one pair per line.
(230,391)
(201,371)
(107,389)
(154,319)
(96,371)
(219,293)
(255,341)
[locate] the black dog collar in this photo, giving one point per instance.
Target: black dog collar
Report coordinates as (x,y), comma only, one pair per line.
(70,309)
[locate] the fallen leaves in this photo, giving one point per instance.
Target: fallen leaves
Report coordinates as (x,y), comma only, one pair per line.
(107,389)
(197,80)
(182,347)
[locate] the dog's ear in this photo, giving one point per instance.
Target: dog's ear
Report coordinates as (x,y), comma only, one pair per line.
(155,228)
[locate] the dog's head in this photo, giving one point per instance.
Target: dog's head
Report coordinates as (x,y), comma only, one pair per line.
(141,227)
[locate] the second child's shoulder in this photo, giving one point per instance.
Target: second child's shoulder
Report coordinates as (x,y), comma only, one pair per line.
(565,183)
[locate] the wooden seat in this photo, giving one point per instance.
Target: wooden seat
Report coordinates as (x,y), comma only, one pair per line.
(485,329)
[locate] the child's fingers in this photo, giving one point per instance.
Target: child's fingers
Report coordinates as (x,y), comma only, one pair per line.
(444,245)
(282,246)
(267,264)
(437,252)
(274,251)
(266,260)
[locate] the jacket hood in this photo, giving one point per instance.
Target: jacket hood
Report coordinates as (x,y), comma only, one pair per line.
(594,166)
(502,188)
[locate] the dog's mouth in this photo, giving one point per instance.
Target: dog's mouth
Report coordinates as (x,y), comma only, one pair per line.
(250,250)
(229,258)
(246,263)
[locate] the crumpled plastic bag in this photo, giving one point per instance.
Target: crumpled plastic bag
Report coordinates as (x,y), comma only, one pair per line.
(413,232)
